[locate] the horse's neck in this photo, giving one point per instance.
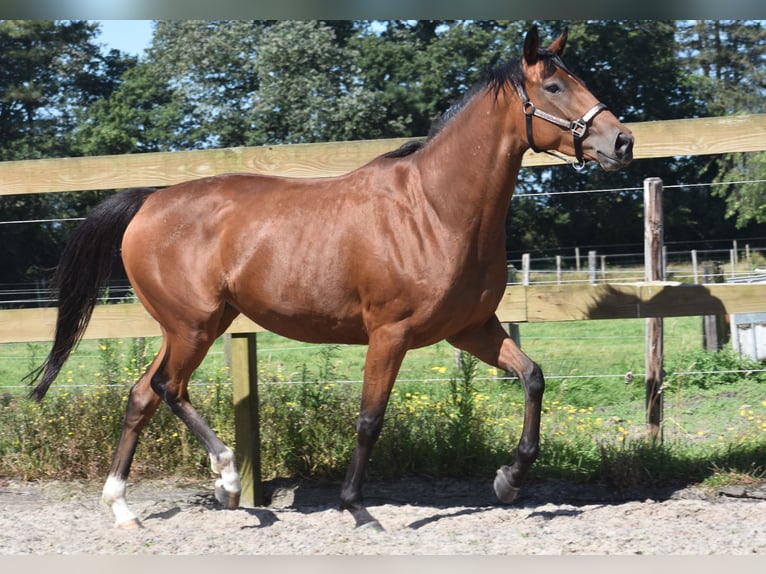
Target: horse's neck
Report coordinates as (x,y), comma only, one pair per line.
(469,169)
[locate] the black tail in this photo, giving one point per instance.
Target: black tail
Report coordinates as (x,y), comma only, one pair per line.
(82,275)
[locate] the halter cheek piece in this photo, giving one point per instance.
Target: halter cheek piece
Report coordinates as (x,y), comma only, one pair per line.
(578,128)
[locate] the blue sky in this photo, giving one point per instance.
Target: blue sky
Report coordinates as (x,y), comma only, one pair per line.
(131,36)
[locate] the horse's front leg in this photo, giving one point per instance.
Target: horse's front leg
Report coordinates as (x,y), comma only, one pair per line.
(387,348)
(491,344)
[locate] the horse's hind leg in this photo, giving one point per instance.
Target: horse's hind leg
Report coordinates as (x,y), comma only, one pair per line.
(142,404)
(171,383)
(167,379)
(491,344)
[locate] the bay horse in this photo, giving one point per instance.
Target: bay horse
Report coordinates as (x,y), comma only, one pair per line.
(400,253)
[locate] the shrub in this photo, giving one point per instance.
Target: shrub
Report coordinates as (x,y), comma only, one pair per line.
(705,369)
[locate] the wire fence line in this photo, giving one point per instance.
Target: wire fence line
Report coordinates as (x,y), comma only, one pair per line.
(635,376)
(516,196)
(39,294)
(561,269)
(743,259)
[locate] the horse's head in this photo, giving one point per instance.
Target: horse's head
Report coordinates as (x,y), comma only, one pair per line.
(562,115)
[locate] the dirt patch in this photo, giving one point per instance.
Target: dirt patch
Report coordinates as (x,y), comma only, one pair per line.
(420,517)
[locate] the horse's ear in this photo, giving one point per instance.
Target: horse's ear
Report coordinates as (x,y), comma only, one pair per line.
(559,43)
(531,46)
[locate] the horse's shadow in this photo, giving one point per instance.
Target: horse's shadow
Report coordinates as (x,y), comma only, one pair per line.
(449,498)
(609,302)
(452,498)
(266,517)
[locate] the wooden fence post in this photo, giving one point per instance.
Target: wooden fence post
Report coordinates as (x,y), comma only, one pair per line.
(603,268)
(525,268)
(244,375)
(653,241)
(592,267)
(695,270)
(715,330)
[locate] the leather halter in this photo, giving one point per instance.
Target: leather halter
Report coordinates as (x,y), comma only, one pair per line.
(578,128)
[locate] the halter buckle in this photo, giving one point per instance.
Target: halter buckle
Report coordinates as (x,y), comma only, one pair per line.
(578,128)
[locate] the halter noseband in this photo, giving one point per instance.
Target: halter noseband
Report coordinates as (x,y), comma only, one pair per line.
(578,128)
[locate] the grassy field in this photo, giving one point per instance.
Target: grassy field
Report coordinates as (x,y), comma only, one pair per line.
(441,420)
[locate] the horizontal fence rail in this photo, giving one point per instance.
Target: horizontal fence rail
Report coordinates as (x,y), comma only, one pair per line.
(698,136)
(520,304)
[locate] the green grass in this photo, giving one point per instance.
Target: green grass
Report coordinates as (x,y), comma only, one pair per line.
(440,420)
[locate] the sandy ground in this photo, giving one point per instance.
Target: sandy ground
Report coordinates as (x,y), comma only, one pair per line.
(420,516)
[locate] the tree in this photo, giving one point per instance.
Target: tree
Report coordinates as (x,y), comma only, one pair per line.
(310,88)
(141,115)
(208,71)
(728,60)
(48,71)
(234,83)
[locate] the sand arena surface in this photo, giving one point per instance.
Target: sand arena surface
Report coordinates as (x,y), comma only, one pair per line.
(420,517)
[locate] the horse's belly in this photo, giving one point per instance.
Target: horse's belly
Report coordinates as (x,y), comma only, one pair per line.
(306,325)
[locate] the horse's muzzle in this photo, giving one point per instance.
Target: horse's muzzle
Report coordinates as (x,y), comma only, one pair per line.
(622,154)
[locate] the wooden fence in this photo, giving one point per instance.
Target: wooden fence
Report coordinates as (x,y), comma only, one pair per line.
(521,303)
(700,136)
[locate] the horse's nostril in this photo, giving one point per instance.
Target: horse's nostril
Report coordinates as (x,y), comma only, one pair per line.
(624,145)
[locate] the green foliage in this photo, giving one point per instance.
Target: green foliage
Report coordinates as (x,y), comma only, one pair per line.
(48,70)
(728,61)
(309,88)
(466,434)
(746,197)
(306,427)
(705,369)
(141,115)
(466,426)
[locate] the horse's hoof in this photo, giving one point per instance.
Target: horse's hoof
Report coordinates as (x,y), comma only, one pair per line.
(372,526)
(229,500)
(132,524)
(505,492)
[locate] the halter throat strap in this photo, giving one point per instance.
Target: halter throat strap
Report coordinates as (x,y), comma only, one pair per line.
(578,128)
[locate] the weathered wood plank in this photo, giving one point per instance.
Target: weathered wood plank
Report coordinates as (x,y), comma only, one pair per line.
(578,302)
(699,136)
(167,168)
(669,138)
(513,305)
(108,322)
(520,304)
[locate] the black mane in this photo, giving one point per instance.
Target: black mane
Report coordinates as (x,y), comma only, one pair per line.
(496,80)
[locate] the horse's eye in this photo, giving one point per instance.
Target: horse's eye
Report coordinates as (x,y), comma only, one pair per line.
(552,88)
